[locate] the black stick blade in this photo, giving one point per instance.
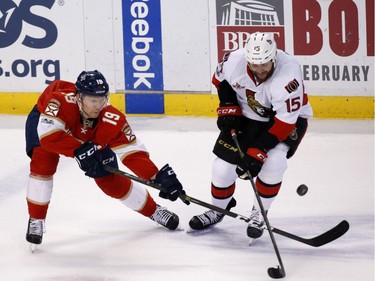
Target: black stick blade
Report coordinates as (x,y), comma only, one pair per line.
(276,273)
(331,235)
(325,238)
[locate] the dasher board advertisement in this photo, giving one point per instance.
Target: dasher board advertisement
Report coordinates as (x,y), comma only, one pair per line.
(333,40)
(40,41)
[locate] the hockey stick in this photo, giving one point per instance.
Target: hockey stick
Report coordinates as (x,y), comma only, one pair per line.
(279,271)
(185,198)
(320,240)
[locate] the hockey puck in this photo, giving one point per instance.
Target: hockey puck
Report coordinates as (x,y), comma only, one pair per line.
(302,190)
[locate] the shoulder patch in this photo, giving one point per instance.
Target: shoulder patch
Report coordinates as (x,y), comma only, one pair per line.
(128,132)
(52,108)
(292,86)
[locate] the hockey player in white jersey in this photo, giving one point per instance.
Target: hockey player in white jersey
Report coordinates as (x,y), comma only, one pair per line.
(262,97)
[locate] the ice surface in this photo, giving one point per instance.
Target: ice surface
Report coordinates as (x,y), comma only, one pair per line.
(91,237)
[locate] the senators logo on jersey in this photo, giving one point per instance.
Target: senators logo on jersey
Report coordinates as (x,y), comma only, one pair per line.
(292,86)
(256,106)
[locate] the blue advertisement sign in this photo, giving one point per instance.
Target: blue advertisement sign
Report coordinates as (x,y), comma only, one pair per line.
(142,45)
(13,19)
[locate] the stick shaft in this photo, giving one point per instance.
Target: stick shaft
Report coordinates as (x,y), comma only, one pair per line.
(268,226)
(317,241)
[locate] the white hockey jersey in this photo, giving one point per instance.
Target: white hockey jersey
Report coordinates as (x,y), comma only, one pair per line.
(282,95)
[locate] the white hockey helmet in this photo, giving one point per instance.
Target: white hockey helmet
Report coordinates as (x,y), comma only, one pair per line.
(260,48)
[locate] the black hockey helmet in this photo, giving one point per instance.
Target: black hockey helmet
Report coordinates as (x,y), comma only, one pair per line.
(92,83)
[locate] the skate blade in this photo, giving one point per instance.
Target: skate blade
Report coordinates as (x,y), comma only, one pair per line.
(179,228)
(33,247)
(252,241)
(191,230)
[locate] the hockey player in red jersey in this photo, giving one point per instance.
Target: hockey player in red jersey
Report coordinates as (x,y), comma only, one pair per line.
(76,120)
(262,97)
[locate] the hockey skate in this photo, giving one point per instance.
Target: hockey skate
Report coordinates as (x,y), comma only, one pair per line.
(209,218)
(165,218)
(255,227)
(35,230)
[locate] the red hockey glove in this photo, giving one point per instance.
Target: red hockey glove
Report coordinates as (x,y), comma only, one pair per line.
(252,162)
(229,117)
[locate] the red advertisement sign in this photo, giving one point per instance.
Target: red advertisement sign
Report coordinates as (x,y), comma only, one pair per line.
(231,38)
(236,20)
(332,39)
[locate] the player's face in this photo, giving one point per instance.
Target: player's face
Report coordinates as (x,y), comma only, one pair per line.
(261,71)
(93,105)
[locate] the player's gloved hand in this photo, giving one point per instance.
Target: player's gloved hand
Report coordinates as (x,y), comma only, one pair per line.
(252,162)
(229,117)
(92,160)
(167,178)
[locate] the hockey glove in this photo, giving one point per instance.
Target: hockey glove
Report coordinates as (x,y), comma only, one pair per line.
(229,117)
(92,160)
(251,162)
(167,178)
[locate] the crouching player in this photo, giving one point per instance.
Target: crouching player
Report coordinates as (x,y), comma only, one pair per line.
(75,120)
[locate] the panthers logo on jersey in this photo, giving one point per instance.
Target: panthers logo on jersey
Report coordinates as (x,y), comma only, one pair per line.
(53,107)
(128,132)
